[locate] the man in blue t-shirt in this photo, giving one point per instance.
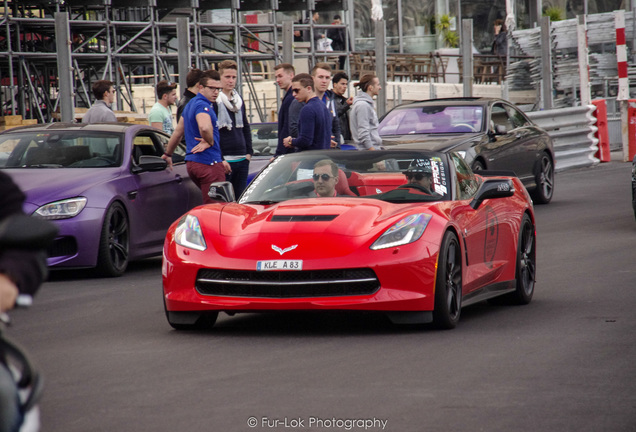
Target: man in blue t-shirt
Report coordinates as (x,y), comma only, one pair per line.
(314,122)
(204,160)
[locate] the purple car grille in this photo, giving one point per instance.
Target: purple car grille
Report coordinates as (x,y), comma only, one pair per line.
(65,246)
(287,284)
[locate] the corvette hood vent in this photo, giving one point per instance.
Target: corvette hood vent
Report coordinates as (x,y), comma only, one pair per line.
(303,218)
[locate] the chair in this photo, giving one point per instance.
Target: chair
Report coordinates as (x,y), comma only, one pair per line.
(438,69)
(37,156)
(342,187)
(422,66)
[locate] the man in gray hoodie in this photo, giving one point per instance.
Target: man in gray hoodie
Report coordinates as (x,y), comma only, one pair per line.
(362,118)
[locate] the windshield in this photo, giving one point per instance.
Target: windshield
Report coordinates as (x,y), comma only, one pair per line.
(436,119)
(264,138)
(369,174)
(60,149)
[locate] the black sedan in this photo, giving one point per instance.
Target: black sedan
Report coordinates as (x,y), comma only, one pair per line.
(491,134)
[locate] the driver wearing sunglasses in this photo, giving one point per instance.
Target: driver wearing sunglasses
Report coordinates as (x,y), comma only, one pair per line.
(325,178)
(420,174)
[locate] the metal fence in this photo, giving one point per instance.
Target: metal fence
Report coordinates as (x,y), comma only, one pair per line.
(573,133)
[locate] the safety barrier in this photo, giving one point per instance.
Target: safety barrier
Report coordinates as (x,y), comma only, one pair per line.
(573,132)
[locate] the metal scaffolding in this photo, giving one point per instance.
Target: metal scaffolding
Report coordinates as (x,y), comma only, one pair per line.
(130,42)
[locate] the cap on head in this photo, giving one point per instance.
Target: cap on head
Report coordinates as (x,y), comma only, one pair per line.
(420,166)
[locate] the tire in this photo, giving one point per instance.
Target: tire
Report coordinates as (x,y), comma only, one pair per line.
(112,259)
(448,284)
(478,165)
(185,321)
(544,180)
(526,269)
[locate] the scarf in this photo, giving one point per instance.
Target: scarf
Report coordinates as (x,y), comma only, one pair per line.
(234,105)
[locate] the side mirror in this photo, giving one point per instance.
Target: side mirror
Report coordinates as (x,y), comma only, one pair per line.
(222,191)
(151,163)
(493,188)
(500,130)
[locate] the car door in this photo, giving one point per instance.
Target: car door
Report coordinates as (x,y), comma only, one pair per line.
(157,198)
(527,139)
(499,148)
(481,230)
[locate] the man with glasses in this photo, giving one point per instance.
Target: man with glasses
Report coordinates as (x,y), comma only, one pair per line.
(420,176)
(204,159)
(100,112)
(325,178)
(314,122)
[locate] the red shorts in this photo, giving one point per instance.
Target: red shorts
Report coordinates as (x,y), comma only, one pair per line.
(203,175)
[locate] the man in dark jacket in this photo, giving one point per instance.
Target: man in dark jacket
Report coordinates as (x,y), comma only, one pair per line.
(338,40)
(314,123)
(192,81)
(340,84)
(234,128)
(284,73)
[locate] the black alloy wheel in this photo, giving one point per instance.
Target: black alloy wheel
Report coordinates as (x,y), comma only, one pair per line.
(114,243)
(448,284)
(544,179)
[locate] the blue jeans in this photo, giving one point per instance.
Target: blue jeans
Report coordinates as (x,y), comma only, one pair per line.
(10,415)
(238,176)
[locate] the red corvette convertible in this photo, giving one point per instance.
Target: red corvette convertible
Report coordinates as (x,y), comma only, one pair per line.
(413,234)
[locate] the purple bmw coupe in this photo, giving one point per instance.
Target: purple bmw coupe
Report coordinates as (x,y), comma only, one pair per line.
(104,185)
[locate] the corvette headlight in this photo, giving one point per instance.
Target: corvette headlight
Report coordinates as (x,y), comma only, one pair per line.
(63,209)
(404,232)
(188,233)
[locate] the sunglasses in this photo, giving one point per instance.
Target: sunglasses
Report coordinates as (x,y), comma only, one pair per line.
(324,177)
(417,177)
(214,88)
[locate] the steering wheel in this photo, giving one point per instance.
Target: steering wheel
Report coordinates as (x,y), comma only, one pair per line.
(460,125)
(415,186)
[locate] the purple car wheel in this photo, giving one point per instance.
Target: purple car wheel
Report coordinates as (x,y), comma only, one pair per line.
(114,242)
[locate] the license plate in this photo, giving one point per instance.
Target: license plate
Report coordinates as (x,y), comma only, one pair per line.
(279,265)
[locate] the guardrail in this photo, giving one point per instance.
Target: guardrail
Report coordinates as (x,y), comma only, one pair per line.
(572,131)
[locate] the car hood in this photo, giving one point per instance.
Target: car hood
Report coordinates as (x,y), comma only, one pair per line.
(45,185)
(318,228)
(436,142)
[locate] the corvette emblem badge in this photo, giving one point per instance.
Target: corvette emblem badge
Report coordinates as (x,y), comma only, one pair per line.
(282,251)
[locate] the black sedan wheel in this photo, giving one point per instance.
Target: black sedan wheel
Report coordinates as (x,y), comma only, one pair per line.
(448,285)
(114,243)
(478,165)
(544,178)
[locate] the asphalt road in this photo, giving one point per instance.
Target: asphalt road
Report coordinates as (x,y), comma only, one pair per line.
(566,362)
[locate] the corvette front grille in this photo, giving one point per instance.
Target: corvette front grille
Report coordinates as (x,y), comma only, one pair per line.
(287,284)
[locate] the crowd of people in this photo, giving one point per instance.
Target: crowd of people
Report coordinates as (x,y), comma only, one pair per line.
(212,120)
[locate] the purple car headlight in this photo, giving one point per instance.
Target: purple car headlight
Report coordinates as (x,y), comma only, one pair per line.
(188,233)
(63,209)
(405,231)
